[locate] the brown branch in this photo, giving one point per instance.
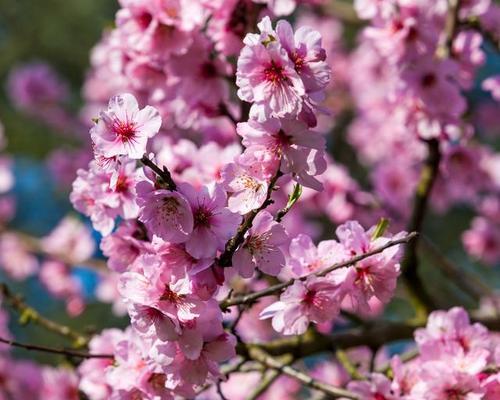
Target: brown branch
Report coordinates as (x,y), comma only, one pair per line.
(30,314)
(261,356)
(54,350)
(164,173)
(250,298)
(378,334)
(445,46)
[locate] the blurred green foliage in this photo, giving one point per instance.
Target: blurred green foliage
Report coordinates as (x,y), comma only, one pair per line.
(61,32)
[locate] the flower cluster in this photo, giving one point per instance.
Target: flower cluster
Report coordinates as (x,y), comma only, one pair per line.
(453,360)
(220,159)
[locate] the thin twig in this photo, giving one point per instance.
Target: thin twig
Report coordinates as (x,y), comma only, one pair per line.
(249,298)
(30,314)
(266,382)
(225,259)
(219,391)
(54,350)
(164,173)
(351,369)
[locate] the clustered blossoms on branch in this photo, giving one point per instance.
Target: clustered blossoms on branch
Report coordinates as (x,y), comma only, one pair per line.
(209,122)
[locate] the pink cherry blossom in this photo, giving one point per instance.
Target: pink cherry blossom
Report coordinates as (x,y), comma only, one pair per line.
(261,248)
(213,224)
(266,77)
(314,300)
(70,241)
(247,185)
(165,213)
(124,129)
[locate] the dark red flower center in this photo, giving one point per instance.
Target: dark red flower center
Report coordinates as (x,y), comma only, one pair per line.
(274,73)
(125,130)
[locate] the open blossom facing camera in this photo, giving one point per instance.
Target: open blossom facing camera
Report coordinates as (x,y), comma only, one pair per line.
(261,248)
(124,129)
(315,300)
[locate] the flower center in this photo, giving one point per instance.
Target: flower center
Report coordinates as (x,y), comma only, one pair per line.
(169,206)
(274,73)
(455,394)
(125,130)
(202,217)
(121,184)
(310,297)
(208,70)
(157,381)
(298,61)
(144,20)
(429,80)
(170,296)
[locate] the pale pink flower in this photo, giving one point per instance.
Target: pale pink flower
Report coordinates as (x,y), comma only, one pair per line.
(247,186)
(59,281)
(262,247)
(71,241)
(166,214)
(15,257)
(92,196)
(155,304)
(450,328)
(267,78)
(492,85)
(59,384)
(124,129)
(213,225)
(306,258)
(375,276)
(314,300)
(482,240)
(300,150)
(305,50)
(439,381)
(124,245)
(93,371)
(194,370)
(378,387)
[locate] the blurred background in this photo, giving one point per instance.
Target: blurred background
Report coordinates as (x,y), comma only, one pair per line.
(59,32)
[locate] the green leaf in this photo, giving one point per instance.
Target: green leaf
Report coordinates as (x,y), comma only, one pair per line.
(380,228)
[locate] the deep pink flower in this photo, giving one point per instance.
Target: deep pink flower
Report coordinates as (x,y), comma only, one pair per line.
(213,224)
